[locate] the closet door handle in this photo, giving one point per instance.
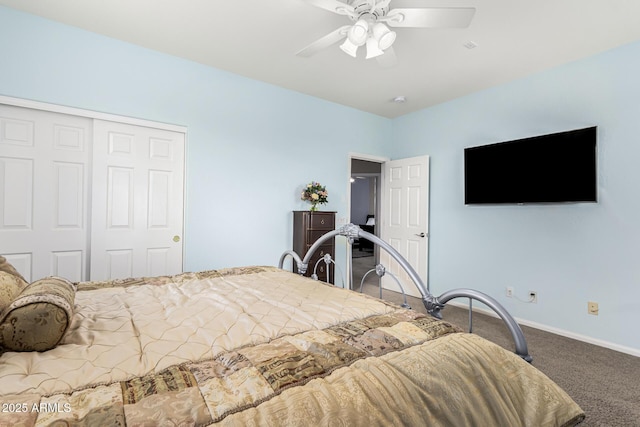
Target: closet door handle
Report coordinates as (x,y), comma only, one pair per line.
(421,235)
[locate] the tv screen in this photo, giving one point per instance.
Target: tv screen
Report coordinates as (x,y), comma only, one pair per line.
(554,168)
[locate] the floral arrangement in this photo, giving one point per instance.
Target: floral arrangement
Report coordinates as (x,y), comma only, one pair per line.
(316,194)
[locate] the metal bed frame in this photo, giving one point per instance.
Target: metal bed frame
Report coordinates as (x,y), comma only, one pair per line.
(432,303)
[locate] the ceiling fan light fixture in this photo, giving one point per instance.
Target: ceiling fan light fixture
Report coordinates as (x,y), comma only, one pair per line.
(349,48)
(373,48)
(359,32)
(383,35)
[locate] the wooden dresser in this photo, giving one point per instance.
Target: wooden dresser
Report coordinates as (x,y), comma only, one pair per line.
(307,228)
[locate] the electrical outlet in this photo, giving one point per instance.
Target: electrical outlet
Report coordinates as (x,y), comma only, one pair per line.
(533,296)
(592,308)
(509,291)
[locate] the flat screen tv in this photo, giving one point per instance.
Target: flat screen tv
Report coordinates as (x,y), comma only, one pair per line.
(554,168)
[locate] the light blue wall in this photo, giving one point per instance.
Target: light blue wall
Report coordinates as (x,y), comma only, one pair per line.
(251,146)
(569,254)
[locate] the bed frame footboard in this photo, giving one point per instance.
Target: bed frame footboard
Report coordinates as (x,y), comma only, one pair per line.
(432,303)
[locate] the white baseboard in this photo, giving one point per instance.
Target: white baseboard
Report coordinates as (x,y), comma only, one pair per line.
(557,331)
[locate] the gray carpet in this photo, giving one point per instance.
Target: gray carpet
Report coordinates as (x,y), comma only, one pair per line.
(605,383)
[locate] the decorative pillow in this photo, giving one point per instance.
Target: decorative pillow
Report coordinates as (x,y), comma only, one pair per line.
(6,266)
(38,317)
(11,283)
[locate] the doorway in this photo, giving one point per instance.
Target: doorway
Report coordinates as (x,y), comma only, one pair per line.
(400,209)
(365,206)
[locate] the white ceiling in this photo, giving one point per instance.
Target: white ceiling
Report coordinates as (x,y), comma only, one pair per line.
(259,39)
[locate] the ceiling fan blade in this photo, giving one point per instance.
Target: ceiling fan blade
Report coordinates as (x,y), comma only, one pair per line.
(433,17)
(388,59)
(324,42)
(333,6)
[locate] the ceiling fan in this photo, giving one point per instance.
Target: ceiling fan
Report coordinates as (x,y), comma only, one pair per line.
(372,19)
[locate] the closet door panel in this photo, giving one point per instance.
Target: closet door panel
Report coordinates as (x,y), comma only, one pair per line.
(44,159)
(120,198)
(69,198)
(16,193)
(137,208)
(67,264)
(119,262)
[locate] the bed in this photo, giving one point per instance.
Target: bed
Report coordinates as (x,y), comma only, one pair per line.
(254,345)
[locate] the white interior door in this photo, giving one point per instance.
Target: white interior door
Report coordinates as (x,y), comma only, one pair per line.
(405,220)
(44,187)
(137,202)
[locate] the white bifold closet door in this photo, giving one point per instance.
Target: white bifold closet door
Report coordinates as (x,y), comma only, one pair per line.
(88,199)
(44,188)
(137,214)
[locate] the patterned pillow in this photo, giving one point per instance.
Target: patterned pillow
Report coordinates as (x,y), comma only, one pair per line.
(6,266)
(38,317)
(11,283)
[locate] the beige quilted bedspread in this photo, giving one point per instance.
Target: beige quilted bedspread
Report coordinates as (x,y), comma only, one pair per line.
(261,346)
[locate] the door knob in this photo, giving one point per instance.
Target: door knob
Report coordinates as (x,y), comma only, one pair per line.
(421,235)
(176,239)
